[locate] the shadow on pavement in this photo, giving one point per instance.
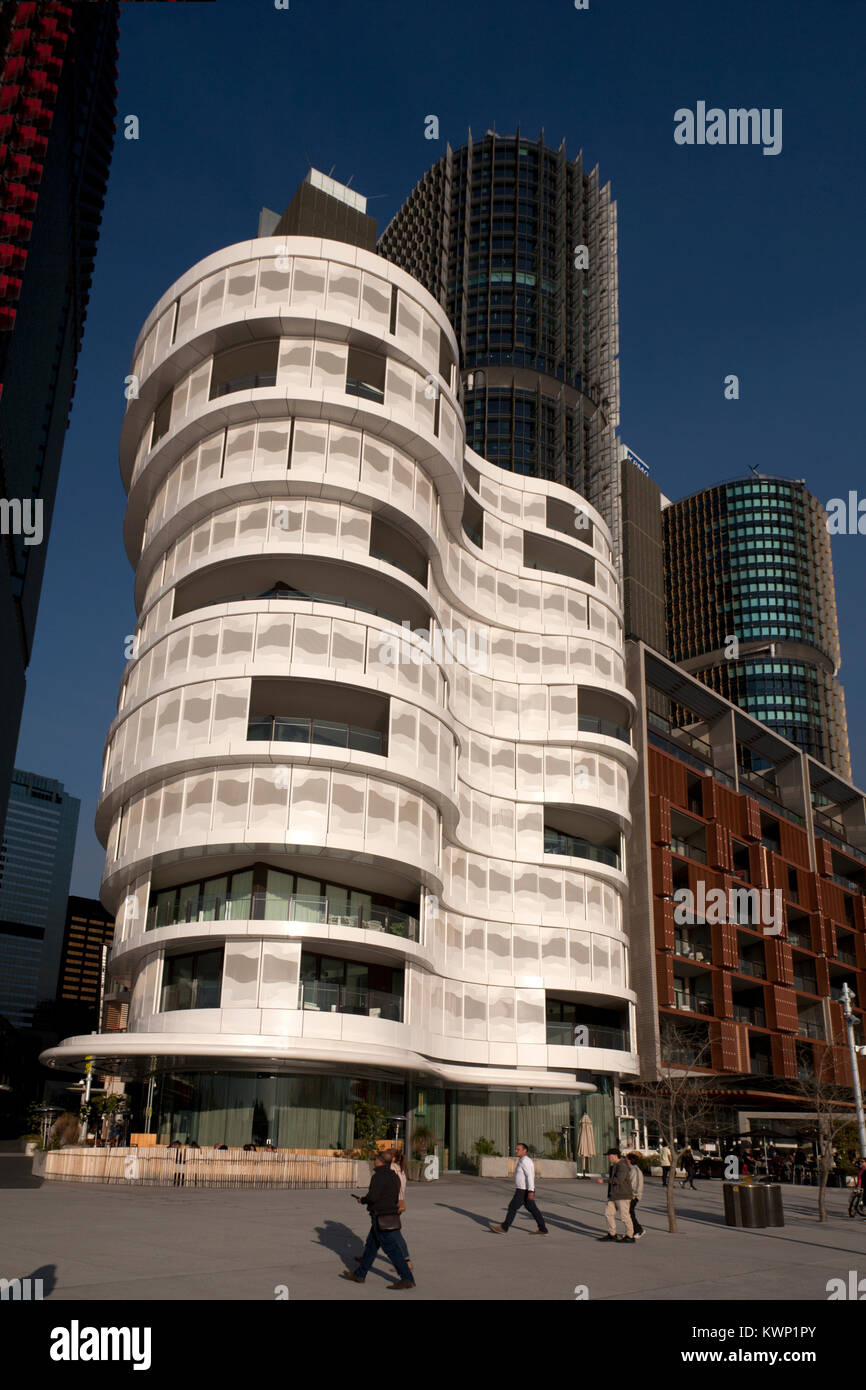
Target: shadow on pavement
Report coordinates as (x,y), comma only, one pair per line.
(346,1243)
(563,1223)
(16,1170)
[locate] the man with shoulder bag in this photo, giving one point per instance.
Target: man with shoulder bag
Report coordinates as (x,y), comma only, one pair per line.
(382,1200)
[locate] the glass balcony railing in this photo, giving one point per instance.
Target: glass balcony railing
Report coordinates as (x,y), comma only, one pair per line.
(806,983)
(591,724)
(846,957)
(834,831)
(367,392)
(267,907)
(289,729)
(802,940)
(250,382)
(190,994)
(847,883)
(805,1029)
(694,1003)
(752,967)
(688,851)
(760,1066)
(693,948)
(744,1014)
(320,997)
(562,1035)
(555,842)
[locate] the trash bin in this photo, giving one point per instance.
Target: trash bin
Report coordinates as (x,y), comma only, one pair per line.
(775,1210)
(746,1205)
(733,1209)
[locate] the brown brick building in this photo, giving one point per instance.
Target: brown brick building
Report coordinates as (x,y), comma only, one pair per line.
(747,873)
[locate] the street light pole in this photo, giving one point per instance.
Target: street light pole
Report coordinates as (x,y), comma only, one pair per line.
(847,1000)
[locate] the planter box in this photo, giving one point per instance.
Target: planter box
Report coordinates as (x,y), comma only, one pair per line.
(547,1168)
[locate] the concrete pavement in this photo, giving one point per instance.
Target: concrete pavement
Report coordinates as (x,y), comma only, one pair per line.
(112,1243)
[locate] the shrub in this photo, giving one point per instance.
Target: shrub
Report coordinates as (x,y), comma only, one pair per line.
(486,1148)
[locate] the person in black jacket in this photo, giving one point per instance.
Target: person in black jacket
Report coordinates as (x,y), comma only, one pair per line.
(382,1201)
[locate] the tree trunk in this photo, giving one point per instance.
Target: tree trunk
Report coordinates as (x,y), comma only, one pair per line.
(672,1173)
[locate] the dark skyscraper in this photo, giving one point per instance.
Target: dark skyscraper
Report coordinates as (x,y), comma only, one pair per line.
(57,111)
(35,869)
(519,245)
(751,560)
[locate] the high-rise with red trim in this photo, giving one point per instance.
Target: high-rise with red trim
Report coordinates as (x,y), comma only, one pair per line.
(58,72)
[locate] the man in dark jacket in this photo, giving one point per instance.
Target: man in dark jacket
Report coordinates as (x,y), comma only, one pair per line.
(619,1195)
(382,1201)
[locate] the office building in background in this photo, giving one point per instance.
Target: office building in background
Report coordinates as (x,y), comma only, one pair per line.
(57,113)
(35,870)
(88,934)
(751,607)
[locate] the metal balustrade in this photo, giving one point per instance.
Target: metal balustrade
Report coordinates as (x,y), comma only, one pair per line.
(292,729)
(592,724)
(320,997)
(562,1035)
(555,842)
(266,907)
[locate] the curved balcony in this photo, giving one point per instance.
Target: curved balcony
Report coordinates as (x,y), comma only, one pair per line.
(263,907)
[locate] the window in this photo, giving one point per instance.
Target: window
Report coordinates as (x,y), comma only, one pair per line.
(161,419)
(192,982)
(395,548)
(244,368)
(365,375)
(473,520)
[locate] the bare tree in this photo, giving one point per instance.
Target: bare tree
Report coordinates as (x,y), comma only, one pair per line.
(834,1111)
(678,1102)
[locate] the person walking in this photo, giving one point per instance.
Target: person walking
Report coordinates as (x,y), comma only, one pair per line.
(382,1200)
(397,1160)
(666,1158)
(690,1167)
(524,1195)
(635,1173)
(619,1195)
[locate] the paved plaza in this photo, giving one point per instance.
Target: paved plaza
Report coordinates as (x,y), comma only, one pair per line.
(100,1242)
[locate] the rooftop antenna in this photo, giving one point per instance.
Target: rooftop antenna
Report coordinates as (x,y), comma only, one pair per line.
(331,171)
(753,470)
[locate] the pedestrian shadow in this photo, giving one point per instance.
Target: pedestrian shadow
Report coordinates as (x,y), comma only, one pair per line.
(32,1288)
(564,1223)
(340,1239)
(343,1241)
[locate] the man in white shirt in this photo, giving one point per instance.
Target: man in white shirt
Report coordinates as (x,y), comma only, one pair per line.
(524,1195)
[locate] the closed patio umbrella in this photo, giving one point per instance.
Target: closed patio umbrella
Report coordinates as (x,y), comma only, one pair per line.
(586,1141)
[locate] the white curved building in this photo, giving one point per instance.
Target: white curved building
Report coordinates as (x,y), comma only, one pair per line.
(366,796)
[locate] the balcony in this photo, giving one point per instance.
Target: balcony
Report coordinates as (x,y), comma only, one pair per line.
(589,724)
(846,957)
(562,1035)
(249,381)
(265,907)
(688,851)
(555,842)
(752,967)
(810,1030)
(760,1066)
(661,735)
(847,883)
(802,940)
(693,948)
(320,997)
(806,983)
(190,994)
(694,1003)
(289,729)
(753,1016)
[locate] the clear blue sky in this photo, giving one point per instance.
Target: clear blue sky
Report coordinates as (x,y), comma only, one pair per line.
(730,261)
